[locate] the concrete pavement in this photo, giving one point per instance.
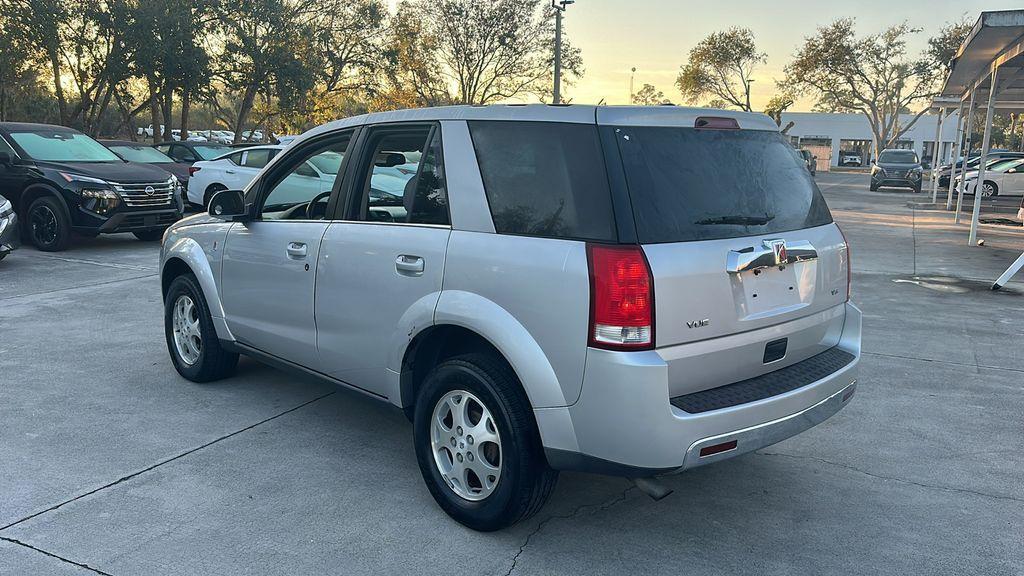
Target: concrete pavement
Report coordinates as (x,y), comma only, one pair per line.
(111,463)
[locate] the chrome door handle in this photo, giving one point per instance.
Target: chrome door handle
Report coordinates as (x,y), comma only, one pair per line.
(296,250)
(409,265)
(773,253)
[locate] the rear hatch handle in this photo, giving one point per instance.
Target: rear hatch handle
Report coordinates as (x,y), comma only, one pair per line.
(773,253)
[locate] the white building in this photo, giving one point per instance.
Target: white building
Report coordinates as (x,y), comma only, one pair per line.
(832,133)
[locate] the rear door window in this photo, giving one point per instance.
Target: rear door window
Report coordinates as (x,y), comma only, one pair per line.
(544,179)
(257,158)
(688,184)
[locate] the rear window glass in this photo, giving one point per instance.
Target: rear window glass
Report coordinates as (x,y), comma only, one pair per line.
(687,184)
(898,156)
(544,179)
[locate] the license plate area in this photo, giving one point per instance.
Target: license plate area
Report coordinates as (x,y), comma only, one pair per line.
(770,291)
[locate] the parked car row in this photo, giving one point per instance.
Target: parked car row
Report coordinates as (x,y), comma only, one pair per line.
(218,136)
(1004,176)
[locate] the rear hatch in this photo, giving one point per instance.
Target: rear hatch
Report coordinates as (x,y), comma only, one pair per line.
(750,272)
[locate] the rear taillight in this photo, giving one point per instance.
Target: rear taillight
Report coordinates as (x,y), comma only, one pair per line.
(849,267)
(193,169)
(621,298)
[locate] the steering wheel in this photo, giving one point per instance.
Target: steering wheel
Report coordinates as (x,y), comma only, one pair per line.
(313,202)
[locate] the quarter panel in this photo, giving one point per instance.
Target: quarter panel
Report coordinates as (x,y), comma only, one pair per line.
(531,298)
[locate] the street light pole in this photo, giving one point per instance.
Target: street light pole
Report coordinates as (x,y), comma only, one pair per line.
(559,6)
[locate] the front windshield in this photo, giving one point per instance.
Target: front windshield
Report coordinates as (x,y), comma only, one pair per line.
(210,151)
(141,153)
(63,146)
(898,156)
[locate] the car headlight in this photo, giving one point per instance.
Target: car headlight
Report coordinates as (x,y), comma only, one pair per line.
(6,208)
(99,200)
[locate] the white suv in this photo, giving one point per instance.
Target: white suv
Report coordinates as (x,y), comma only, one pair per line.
(632,291)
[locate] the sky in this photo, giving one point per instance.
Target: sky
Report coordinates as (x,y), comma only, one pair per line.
(655,36)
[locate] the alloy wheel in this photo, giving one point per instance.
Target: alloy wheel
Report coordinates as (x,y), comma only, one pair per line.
(44,225)
(466,445)
(188,338)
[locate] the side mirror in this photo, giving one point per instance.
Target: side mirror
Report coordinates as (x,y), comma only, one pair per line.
(229,205)
(6,158)
(1011,171)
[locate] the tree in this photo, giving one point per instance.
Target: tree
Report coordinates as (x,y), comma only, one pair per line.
(872,75)
(777,105)
(491,51)
(721,66)
(648,95)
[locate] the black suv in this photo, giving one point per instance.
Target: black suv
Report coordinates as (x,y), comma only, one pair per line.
(897,168)
(60,181)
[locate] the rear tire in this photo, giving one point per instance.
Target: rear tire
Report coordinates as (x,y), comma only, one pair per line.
(49,228)
(213,189)
(523,481)
(191,337)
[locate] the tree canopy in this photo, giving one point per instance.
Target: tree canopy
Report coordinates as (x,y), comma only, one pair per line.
(721,66)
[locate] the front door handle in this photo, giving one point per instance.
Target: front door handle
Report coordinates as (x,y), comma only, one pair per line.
(296,250)
(773,253)
(409,265)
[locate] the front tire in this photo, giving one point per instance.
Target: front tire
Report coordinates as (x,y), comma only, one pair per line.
(477,444)
(48,226)
(874,187)
(191,337)
(989,189)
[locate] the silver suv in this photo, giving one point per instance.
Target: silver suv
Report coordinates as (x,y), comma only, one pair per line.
(622,290)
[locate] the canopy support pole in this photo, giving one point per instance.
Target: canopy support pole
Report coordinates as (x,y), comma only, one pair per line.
(986,142)
(954,153)
(936,149)
(966,153)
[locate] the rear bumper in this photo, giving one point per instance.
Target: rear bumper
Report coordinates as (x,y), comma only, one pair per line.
(625,424)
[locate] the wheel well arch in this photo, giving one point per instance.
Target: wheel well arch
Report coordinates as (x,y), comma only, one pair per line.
(212,189)
(173,268)
(433,346)
(35,192)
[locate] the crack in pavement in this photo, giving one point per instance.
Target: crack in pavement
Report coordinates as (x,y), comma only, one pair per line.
(167,460)
(52,555)
(950,362)
(540,525)
(895,479)
(55,290)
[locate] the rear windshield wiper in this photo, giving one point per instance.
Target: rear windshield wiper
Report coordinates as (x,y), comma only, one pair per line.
(737,219)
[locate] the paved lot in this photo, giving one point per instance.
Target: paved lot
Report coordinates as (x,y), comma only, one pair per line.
(111,463)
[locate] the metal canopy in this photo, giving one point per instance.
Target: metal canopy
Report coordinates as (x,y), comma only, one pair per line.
(987,74)
(995,39)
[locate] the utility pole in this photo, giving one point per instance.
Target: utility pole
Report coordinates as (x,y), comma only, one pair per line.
(559,6)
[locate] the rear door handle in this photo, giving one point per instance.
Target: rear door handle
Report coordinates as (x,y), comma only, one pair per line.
(296,250)
(773,253)
(409,265)
(229,171)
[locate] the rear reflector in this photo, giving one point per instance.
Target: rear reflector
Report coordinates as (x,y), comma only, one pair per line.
(718,448)
(621,298)
(716,123)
